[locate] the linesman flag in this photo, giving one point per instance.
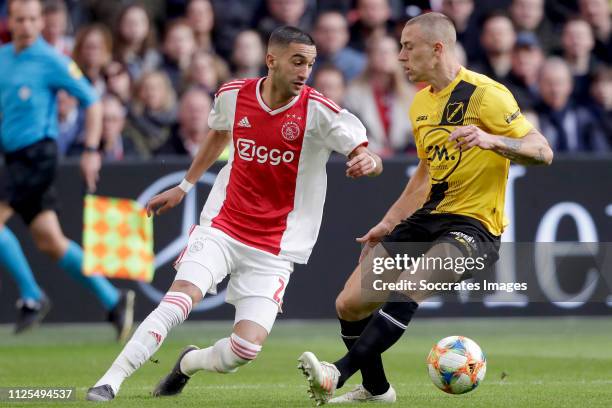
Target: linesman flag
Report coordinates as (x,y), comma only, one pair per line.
(117,239)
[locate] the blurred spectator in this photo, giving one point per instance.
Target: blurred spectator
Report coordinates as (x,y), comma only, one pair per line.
(135,41)
(192,126)
(578,42)
(201,18)
(330,82)
(558,11)
(497,40)
(152,112)
(231,18)
(118,81)
(5,35)
(413,8)
(528,15)
(285,12)
(92,51)
(601,90)
(381,96)
(113,145)
(522,81)
(597,13)
(374,19)
(179,46)
(78,14)
(106,12)
(532,117)
(248,57)
(71,122)
(567,126)
(332,36)
(55,15)
(206,71)
(342,6)
(461,12)
(461,54)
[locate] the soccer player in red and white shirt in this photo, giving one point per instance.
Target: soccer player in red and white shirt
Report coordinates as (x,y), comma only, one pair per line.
(262,215)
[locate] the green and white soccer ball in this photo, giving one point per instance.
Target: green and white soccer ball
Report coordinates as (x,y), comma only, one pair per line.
(456,365)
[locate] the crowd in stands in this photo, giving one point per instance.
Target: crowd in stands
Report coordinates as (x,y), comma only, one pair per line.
(157,63)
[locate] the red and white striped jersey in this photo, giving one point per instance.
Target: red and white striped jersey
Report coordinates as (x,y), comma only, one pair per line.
(271,192)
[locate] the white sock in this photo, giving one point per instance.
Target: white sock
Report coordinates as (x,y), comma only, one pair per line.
(225,356)
(171,311)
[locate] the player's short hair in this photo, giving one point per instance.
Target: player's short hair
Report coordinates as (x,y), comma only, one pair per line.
(285,35)
(436,27)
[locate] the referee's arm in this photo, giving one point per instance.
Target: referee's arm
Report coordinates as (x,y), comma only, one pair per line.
(91,161)
(65,74)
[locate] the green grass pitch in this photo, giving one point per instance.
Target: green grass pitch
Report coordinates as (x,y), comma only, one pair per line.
(561,362)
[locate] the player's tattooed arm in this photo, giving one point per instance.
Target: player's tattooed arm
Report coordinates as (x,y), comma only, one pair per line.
(531,150)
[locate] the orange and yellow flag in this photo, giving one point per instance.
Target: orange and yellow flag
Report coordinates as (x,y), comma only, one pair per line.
(117,239)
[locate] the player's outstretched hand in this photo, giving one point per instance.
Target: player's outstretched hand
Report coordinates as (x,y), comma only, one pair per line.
(165,201)
(90,169)
(361,165)
(372,238)
(470,136)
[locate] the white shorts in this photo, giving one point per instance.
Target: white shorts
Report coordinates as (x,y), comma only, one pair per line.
(253,272)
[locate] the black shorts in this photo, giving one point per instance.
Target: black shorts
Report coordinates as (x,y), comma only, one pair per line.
(426,229)
(27,180)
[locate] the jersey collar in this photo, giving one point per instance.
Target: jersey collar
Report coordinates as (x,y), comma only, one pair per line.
(450,86)
(265,107)
(36,44)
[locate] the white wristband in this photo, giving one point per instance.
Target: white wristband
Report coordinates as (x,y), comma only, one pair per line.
(373,162)
(185,186)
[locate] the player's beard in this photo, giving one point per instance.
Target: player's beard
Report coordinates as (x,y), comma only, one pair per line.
(290,88)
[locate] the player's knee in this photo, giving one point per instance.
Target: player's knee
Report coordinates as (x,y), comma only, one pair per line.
(350,306)
(53,246)
(189,289)
(346,308)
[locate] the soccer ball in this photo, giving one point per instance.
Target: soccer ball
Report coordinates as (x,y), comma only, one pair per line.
(456,365)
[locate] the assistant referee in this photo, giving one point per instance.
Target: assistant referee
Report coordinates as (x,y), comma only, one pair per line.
(31,73)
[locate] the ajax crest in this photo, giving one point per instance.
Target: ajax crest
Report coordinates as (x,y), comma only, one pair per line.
(290,131)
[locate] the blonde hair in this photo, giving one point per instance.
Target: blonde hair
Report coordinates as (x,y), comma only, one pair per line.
(436,27)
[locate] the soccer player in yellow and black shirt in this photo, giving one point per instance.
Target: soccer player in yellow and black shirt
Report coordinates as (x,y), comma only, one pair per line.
(467,129)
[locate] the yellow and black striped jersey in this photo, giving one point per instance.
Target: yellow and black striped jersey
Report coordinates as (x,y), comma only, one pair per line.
(473,182)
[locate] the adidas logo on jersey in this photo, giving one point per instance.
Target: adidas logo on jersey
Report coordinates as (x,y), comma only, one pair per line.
(244,122)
